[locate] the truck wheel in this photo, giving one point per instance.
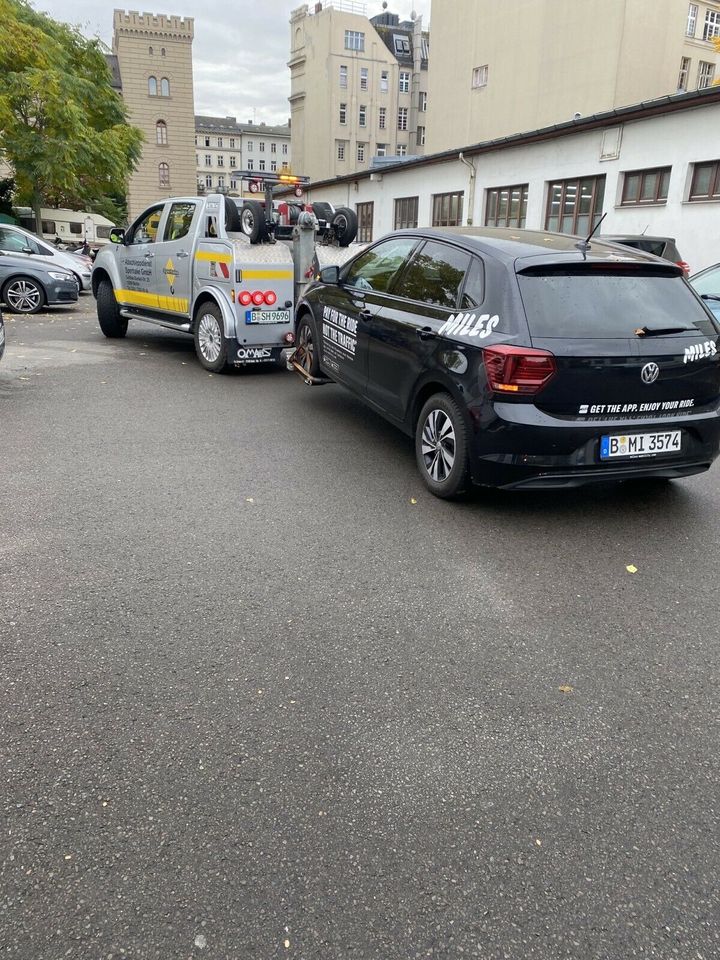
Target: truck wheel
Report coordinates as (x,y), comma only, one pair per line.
(345,225)
(441,447)
(108,311)
(306,351)
(23,295)
(210,343)
(252,221)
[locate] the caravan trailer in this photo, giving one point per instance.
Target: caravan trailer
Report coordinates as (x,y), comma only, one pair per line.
(69,226)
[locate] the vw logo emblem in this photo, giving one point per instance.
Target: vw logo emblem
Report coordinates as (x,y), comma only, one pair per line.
(650,372)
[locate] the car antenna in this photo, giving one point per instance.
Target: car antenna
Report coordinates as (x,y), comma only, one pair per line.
(584,245)
(645,230)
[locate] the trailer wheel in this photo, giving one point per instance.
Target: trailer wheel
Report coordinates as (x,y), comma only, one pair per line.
(252,221)
(345,225)
(306,351)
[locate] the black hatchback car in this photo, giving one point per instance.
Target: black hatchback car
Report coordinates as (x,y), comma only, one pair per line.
(521,359)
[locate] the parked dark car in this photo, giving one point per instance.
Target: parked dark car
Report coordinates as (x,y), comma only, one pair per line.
(664,247)
(707,285)
(521,359)
(27,284)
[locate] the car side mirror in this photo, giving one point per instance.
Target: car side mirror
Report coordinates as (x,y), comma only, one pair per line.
(27,250)
(117,235)
(330,275)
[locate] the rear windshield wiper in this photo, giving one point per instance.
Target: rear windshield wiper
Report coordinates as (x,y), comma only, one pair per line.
(709,296)
(663,331)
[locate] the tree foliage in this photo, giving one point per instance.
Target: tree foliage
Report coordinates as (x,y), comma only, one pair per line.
(63,129)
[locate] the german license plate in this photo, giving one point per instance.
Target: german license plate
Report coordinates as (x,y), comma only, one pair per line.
(267,316)
(639,444)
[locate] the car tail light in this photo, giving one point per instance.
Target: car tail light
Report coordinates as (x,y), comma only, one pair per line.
(684,266)
(258,298)
(245,298)
(518,370)
(270,298)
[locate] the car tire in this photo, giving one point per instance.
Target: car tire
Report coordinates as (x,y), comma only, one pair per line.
(111,323)
(252,221)
(211,345)
(345,226)
(306,349)
(23,295)
(441,447)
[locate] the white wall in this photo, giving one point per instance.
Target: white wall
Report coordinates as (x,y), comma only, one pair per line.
(674,139)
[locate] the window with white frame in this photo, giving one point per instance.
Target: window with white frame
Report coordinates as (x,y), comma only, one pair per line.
(354,40)
(273,165)
(343,113)
(261,146)
(421,136)
(233,161)
(221,181)
(251,164)
(363,78)
(706,73)
(684,73)
(480,77)
(161,133)
(220,142)
(163,175)
(249,146)
(384,81)
(712,25)
(261,165)
(404,81)
(208,159)
(221,160)
(273,147)
(402,150)
(691,20)
(208,179)
(207,141)
(402,118)
(381,150)
(422,101)
(284,149)
(362,115)
(232,143)
(361,152)
(343,76)
(340,151)
(233,182)
(382,114)
(401,44)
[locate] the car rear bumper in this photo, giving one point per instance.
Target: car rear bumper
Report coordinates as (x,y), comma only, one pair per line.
(525,448)
(248,354)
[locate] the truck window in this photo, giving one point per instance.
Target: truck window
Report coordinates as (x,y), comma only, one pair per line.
(178,221)
(146,228)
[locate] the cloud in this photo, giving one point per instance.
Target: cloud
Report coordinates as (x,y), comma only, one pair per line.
(240,51)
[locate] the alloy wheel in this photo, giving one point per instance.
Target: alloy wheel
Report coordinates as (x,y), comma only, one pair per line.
(23,296)
(210,337)
(305,351)
(438,445)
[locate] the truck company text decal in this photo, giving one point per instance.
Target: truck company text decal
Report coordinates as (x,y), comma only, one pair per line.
(468,325)
(698,351)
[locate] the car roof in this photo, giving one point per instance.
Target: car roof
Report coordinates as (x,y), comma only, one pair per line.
(540,246)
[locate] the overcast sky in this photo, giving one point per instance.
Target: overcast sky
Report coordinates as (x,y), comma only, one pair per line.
(240,51)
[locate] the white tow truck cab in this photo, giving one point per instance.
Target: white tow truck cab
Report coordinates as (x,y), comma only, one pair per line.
(185,264)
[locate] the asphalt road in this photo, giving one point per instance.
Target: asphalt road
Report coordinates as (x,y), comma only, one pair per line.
(262,696)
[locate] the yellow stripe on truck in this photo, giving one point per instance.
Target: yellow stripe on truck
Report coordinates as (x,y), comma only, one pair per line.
(137,298)
(213,257)
(267,275)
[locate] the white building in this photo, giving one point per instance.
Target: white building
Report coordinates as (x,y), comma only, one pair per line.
(223,147)
(653,167)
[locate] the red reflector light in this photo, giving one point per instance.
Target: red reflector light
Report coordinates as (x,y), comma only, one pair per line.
(685,267)
(289,337)
(270,298)
(518,370)
(245,298)
(258,298)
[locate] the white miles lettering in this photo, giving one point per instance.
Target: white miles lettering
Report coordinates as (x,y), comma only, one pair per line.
(699,351)
(469,325)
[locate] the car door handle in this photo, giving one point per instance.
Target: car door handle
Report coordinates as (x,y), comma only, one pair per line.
(149,256)
(182,254)
(424,333)
(366,315)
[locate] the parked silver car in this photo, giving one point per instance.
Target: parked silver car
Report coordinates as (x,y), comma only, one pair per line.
(17,240)
(27,284)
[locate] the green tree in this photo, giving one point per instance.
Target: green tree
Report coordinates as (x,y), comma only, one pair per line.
(63,129)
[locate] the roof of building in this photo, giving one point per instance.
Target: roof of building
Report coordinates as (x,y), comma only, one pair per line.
(398,38)
(205,124)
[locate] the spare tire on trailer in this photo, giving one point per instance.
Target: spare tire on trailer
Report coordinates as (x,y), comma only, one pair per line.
(323,211)
(345,226)
(252,221)
(232,216)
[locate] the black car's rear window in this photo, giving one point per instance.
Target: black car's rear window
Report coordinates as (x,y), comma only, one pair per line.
(604,304)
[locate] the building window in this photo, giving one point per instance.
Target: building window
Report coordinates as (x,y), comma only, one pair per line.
(233,161)
(381,150)
(261,165)
(447,209)
(422,101)
(152,87)
(162,51)
(354,40)
(401,150)
(208,179)
(382,113)
(691,20)
(365,222)
(164,87)
(343,76)
(363,78)
(164,174)
(712,25)
(506,206)
(384,81)
(706,181)
(361,152)
(421,136)
(684,73)
(285,149)
(220,142)
(402,118)
(401,44)
(232,143)
(343,113)
(161,133)
(575,206)
(221,160)
(233,183)
(208,159)
(706,72)
(207,141)
(221,181)
(480,77)
(341,149)
(261,146)
(150,51)
(362,115)
(404,81)
(250,146)
(273,165)
(406,213)
(646,186)
(273,147)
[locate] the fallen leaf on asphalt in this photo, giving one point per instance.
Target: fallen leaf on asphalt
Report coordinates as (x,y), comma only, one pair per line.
(565,688)
(413,500)
(631,568)
(286,944)
(539,842)
(249,500)
(200,941)
(23,378)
